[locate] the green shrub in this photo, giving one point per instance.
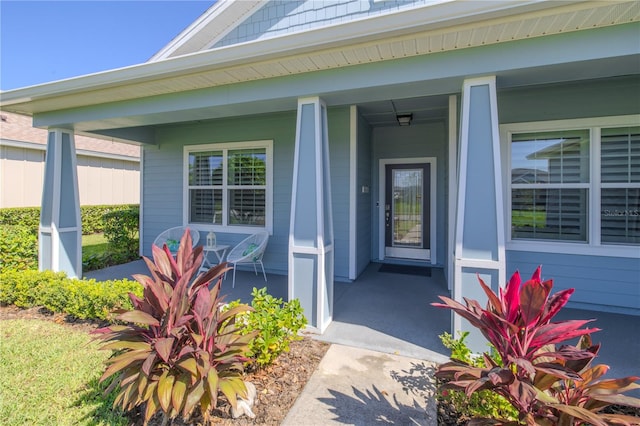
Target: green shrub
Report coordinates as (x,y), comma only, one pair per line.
(121,229)
(91,217)
(84,299)
(276,322)
(483,404)
(23,216)
(18,248)
(105,259)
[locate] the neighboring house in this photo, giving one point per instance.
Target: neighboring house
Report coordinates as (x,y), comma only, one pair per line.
(108,172)
(381,131)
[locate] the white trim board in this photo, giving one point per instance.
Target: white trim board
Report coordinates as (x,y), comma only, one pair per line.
(353,191)
(225,147)
(593,246)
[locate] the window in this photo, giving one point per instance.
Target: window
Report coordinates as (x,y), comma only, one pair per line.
(620,176)
(229,185)
(575,182)
(549,183)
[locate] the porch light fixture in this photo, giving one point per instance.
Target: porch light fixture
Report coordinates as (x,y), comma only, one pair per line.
(404,119)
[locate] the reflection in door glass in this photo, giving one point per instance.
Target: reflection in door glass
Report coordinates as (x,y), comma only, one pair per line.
(407,207)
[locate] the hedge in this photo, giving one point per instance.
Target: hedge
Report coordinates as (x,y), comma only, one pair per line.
(84,299)
(91,216)
(18,248)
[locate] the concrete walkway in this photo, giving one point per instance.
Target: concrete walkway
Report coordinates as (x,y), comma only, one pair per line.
(362,387)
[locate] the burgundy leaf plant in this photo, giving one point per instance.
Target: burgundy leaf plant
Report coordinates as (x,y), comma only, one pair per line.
(179,349)
(548,385)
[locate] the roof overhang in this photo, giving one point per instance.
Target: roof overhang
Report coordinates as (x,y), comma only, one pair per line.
(428,29)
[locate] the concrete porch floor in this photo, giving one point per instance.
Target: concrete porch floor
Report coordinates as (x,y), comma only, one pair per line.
(391,313)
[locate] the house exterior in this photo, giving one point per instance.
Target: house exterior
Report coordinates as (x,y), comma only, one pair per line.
(108,172)
(522,145)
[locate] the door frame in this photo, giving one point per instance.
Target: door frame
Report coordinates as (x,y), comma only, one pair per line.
(383,162)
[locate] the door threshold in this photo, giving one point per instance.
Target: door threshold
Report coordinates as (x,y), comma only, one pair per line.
(409,262)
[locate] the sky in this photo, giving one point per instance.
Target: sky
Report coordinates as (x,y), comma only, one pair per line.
(44,41)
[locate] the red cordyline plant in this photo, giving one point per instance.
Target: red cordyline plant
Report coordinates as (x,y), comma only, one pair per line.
(547,385)
(179,350)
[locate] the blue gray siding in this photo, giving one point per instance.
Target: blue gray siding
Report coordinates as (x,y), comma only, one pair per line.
(163,178)
(598,280)
(278,17)
(601,282)
(419,140)
(339,134)
(598,98)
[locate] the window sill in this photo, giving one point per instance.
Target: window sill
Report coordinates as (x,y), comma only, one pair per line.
(234,229)
(575,248)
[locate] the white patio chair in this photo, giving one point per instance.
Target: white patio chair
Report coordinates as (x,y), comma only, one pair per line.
(249,250)
(171,237)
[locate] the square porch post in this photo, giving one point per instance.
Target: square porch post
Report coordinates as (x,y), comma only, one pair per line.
(60,231)
(311,254)
(479,248)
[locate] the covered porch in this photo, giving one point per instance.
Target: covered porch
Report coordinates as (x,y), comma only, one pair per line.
(391,313)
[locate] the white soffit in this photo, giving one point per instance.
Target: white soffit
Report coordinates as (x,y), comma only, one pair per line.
(310,51)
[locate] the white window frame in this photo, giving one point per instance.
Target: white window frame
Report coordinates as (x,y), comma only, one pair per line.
(593,246)
(225,148)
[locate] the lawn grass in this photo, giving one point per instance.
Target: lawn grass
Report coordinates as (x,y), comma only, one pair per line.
(49,376)
(93,244)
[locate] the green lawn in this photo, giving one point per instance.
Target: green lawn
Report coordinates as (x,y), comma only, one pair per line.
(93,244)
(49,376)
(522,218)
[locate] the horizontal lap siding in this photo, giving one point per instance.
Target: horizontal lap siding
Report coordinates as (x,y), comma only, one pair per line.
(163,179)
(598,280)
(162,193)
(338,120)
(164,176)
(601,282)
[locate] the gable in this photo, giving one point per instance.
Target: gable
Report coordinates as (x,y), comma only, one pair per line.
(279,17)
(231,22)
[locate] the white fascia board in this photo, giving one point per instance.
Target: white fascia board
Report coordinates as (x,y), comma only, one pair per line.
(431,16)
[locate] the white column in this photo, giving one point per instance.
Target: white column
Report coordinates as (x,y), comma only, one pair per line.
(60,233)
(453,187)
(479,235)
(311,254)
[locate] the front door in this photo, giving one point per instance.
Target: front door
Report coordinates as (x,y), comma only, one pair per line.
(406,211)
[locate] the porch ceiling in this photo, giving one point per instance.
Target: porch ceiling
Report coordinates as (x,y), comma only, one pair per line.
(423,109)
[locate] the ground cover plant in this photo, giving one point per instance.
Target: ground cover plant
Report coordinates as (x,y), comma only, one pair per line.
(480,404)
(179,349)
(547,384)
(276,324)
(49,374)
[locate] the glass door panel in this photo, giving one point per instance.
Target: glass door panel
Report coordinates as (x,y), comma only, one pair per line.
(406,207)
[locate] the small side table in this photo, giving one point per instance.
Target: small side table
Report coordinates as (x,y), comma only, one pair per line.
(219,250)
